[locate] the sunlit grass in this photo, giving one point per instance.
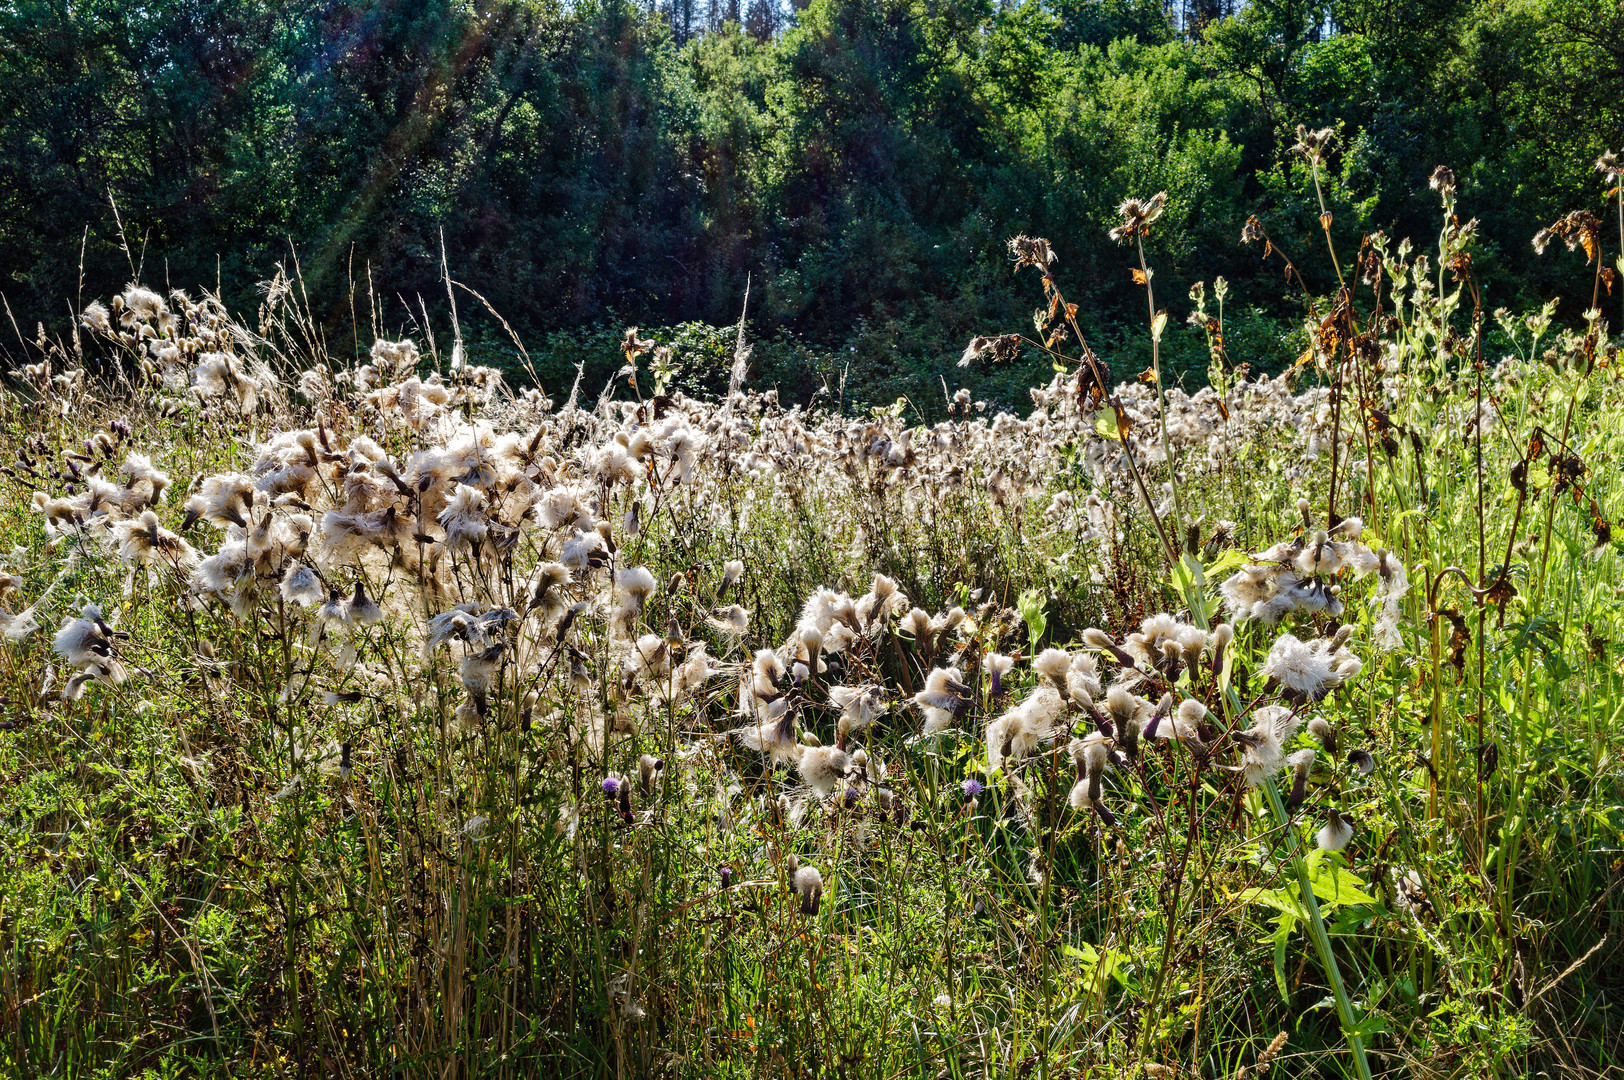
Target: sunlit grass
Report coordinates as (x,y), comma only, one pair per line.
(268,833)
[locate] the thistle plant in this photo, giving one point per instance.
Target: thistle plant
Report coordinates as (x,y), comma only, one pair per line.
(428,726)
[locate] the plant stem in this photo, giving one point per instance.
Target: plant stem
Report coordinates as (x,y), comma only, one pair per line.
(1322,940)
(1161,400)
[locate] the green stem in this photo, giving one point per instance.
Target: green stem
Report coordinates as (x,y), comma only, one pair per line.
(1316,923)
(1322,940)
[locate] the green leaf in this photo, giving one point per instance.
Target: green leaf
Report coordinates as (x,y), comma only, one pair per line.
(1279,899)
(1098,965)
(1334,883)
(1285,926)
(1105,426)
(1224,563)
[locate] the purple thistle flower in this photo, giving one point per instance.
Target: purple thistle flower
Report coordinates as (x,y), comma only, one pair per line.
(972,788)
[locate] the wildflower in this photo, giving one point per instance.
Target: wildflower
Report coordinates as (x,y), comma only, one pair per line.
(583,551)
(1321,555)
(731,570)
(218,373)
(1608,165)
(1362,761)
(1222,635)
(808,885)
(1137,216)
(1322,730)
(1100,641)
(87,644)
(142,303)
(1163,642)
(1092,756)
(1412,893)
(822,766)
(614,463)
(314,386)
(996,666)
(60,514)
(1246,590)
(826,608)
(770,726)
(1301,762)
(809,641)
(333,610)
(1153,726)
(972,788)
(649,768)
(548,596)
(1443,182)
(1393,587)
(1021,731)
(479,672)
(1263,743)
(138,469)
(766,674)
(1032,251)
(361,611)
(858,705)
(1314,145)
(618,793)
(1054,665)
(1335,833)
(224,572)
(916,624)
(143,541)
(733,620)
(944,699)
(977,346)
(1307,672)
(463,518)
(222,501)
(1127,714)
(636,582)
(876,607)
(95,317)
(1187,724)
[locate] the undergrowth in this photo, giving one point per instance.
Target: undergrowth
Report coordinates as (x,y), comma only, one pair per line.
(375,718)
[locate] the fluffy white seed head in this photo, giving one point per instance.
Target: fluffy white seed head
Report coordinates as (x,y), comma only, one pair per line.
(1335,833)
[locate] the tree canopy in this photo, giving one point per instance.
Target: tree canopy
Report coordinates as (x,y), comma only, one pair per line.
(863,161)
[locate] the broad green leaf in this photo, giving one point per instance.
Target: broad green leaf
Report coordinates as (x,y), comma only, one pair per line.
(1224,563)
(1335,884)
(1279,899)
(1106,424)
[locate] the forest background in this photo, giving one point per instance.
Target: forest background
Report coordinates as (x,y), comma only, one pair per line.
(859,162)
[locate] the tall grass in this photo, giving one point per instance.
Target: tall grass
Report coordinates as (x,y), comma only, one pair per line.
(254,830)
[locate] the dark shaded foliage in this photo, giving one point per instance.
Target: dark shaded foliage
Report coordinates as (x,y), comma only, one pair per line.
(861,160)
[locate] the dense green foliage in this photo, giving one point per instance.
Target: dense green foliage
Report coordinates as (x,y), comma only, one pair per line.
(861,160)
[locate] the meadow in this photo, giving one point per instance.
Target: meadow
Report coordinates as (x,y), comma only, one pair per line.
(369,713)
